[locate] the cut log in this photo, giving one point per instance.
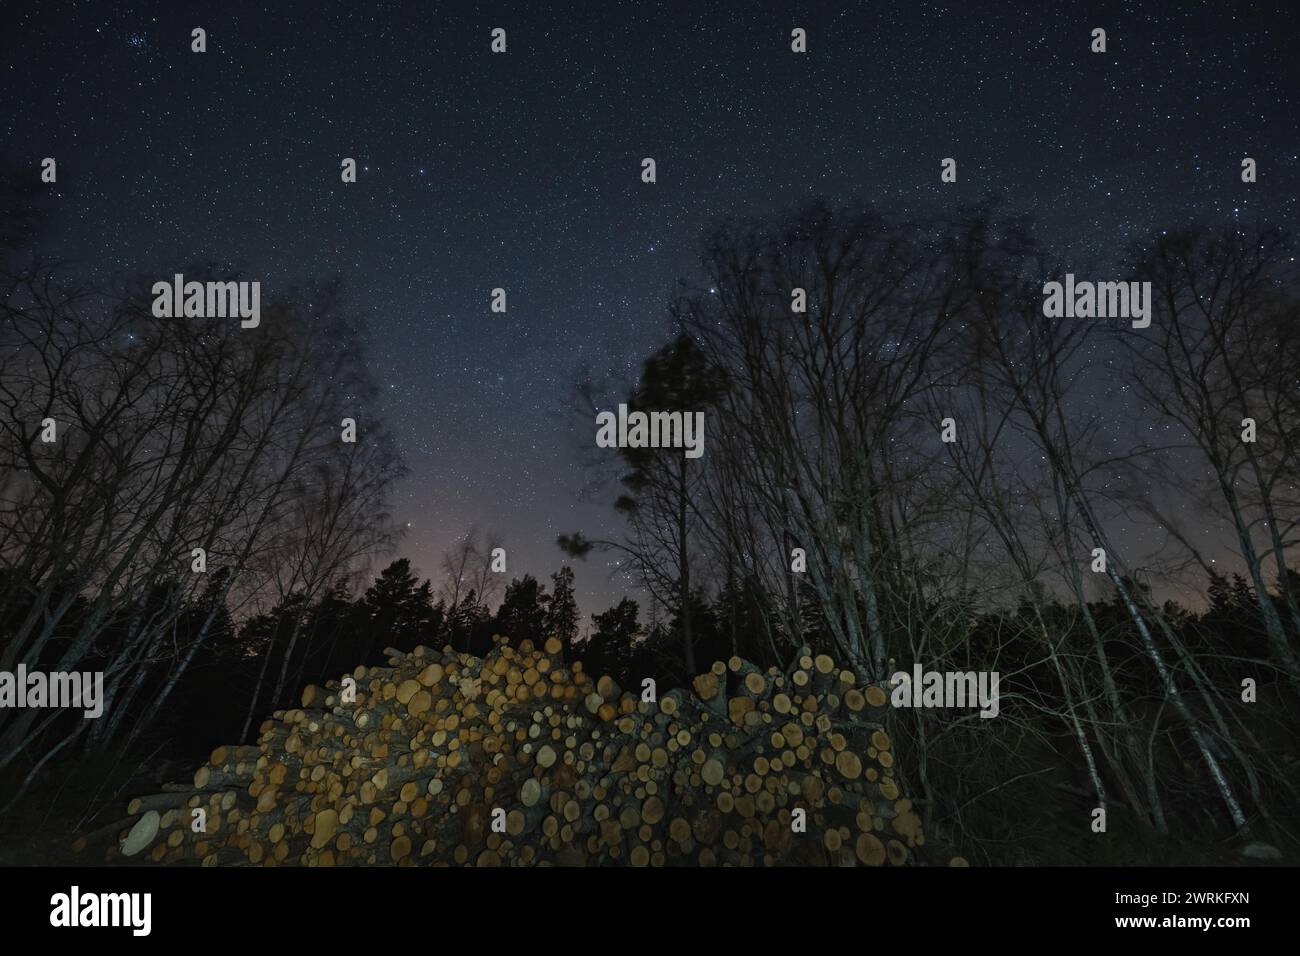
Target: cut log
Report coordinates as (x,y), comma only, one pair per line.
(142,833)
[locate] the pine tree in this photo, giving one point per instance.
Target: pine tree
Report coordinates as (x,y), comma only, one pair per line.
(523,612)
(612,645)
(562,615)
(397,610)
(659,482)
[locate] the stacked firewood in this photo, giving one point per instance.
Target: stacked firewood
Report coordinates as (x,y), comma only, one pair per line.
(519,759)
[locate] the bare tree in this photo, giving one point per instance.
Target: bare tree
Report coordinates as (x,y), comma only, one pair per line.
(829,325)
(1212,366)
(467,571)
(190,457)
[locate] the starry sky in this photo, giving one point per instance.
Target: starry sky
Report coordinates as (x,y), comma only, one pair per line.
(522,170)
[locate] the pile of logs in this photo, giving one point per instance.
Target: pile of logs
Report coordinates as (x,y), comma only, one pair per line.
(517,759)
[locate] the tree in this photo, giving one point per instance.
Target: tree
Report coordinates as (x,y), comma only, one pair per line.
(197,463)
(661,484)
(829,326)
(467,575)
(466,623)
(611,646)
(562,612)
(399,607)
(1219,356)
(523,612)
(661,497)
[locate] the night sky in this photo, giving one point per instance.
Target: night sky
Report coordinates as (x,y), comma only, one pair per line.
(522,170)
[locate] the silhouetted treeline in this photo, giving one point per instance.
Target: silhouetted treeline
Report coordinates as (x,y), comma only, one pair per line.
(909,461)
(179,510)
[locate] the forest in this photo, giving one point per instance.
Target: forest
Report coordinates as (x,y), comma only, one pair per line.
(199,532)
